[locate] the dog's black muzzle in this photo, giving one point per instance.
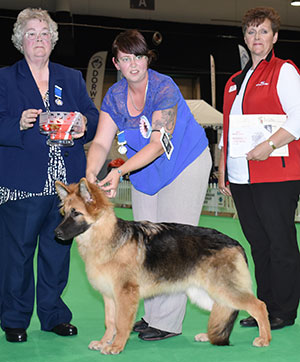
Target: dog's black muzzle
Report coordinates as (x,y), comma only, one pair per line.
(69,228)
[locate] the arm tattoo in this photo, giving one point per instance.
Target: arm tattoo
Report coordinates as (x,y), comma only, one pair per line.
(168,119)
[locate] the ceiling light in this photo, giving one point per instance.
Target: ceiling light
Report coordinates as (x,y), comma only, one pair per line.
(295,3)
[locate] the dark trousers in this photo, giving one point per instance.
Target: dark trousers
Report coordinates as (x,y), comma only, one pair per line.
(26,225)
(2,262)
(267,215)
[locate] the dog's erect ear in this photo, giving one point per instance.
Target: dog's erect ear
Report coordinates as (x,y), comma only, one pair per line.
(84,191)
(62,190)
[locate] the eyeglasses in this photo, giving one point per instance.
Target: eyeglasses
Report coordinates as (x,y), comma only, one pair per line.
(253,32)
(128,59)
(33,35)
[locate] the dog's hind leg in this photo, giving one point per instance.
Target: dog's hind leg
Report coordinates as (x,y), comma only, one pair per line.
(258,310)
(126,301)
(238,295)
(220,324)
(221,318)
(200,297)
(234,291)
(245,300)
(110,326)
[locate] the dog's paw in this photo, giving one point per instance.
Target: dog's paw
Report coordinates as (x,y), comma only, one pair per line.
(96,345)
(261,342)
(112,349)
(201,337)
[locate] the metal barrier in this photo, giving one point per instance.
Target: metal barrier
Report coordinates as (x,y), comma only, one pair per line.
(123,197)
(214,203)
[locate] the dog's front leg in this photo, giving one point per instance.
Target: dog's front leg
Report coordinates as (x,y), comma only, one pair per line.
(126,301)
(110,326)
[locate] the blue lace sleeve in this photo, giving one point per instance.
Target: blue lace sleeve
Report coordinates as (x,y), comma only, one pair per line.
(108,102)
(114,103)
(166,94)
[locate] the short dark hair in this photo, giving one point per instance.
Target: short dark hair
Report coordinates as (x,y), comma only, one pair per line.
(257,16)
(132,42)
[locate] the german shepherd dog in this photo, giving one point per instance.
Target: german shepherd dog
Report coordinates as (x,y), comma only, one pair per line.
(127,260)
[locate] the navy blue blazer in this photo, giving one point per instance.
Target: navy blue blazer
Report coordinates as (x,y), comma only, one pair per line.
(24,154)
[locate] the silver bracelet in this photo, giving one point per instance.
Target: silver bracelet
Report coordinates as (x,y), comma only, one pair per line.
(120,173)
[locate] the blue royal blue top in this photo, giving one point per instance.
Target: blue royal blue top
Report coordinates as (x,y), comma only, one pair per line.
(188,138)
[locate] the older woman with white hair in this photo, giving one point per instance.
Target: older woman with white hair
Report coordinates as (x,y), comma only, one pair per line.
(29,167)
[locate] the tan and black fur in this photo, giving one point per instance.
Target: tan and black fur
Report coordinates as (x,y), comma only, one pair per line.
(127,260)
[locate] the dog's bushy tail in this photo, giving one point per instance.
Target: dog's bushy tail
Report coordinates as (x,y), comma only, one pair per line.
(220,324)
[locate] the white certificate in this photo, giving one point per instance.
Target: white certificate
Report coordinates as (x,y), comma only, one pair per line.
(248,130)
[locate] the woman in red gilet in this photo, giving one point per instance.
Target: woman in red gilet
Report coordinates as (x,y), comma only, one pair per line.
(260,164)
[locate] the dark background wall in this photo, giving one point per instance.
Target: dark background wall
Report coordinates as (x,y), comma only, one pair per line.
(183,53)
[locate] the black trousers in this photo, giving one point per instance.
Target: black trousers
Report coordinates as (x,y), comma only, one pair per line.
(267,215)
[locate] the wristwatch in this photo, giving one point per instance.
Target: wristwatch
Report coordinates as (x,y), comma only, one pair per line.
(271,144)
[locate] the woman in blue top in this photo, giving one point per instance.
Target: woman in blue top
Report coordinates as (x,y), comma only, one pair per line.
(169,180)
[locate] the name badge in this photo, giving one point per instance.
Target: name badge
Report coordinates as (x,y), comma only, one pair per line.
(232,88)
(166,143)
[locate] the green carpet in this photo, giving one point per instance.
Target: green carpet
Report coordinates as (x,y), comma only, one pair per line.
(88,316)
